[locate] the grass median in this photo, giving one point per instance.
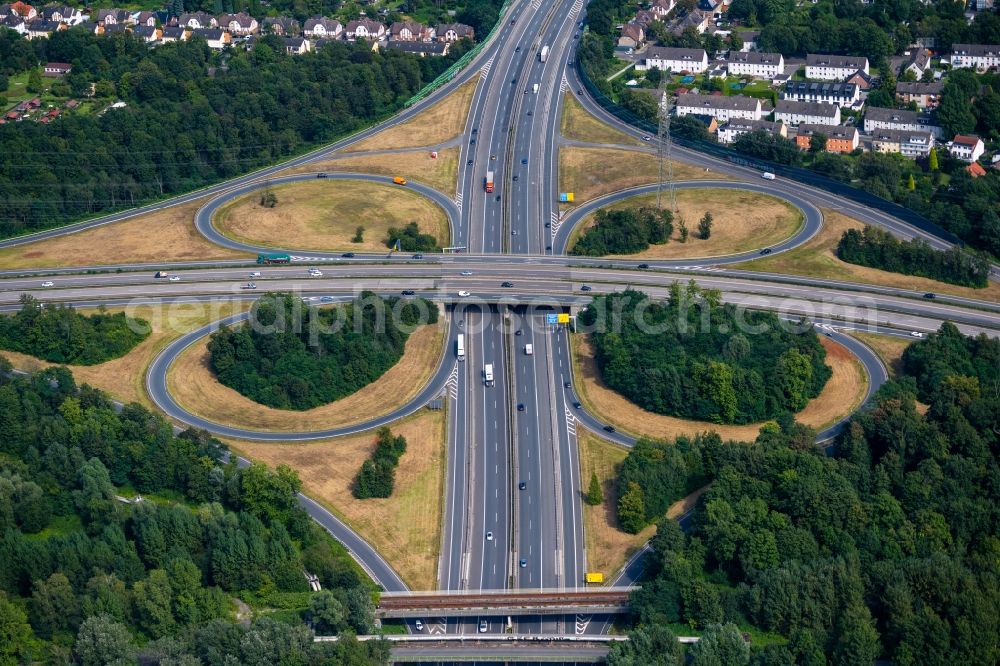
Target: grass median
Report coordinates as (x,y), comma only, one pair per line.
(742,221)
(404,528)
(577,124)
(193,385)
(842,394)
(441,173)
(325,215)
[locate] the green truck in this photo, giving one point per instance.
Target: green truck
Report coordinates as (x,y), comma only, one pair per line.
(273,258)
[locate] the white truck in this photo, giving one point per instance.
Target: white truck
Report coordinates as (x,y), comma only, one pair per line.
(529,349)
(768,175)
(460,347)
(543,55)
(534,88)
(488,374)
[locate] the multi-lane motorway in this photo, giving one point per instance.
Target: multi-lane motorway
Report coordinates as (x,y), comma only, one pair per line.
(512,508)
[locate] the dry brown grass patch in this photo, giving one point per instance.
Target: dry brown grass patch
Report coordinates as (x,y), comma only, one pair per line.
(818,258)
(324,214)
(842,393)
(437,124)
(125,377)
(163,236)
(417,165)
(194,386)
(742,221)
(404,528)
(577,124)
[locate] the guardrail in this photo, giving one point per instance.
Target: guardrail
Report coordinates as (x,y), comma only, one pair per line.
(606,601)
(794,173)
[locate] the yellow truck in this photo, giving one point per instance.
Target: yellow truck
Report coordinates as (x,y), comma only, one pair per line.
(594,578)
(399,180)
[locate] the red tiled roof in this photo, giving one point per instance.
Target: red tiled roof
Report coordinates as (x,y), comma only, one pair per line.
(976,170)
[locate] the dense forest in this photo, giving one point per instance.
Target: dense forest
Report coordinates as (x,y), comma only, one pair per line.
(292,356)
(60,334)
(885,550)
(192,118)
(626,231)
(879,249)
(378,474)
(695,358)
(409,239)
(86,573)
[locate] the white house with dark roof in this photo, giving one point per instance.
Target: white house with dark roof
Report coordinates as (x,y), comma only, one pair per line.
(721,108)
(197,20)
(63,14)
(365,28)
(662,7)
(108,17)
(15,23)
(795,113)
(41,28)
(675,60)
(411,31)
(756,64)
(905,142)
(967,148)
(834,67)
(734,128)
(840,94)
(452,32)
(896,119)
(918,62)
(321,27)
(240,24)
(924,95)
(421,49)
(173,33)
(217,38)
(297,45)
(143,18)
(282,26)
(980,57)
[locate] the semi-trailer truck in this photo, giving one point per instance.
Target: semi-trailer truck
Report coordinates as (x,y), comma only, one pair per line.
(460,347)
(489,181)
(488,374)
(543,55)
(273,258)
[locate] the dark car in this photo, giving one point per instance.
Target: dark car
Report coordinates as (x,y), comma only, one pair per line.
(321,175)
(585,287)
(507,284)
(576,405)
(517,50)
(498,197)
(475,130)
(580,91)
(469,162)
(568,384)
(609,428)
(520,406)
(472,142)
(524,161)
(408,292)
(548,248)
(643,266)
(929,295)
(348,255)
(418,256)
(530,112)
(548,224)
(518,332)
(766,250)
(522,485)
(514,177)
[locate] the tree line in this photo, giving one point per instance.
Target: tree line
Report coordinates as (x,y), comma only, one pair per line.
(59,334)
(879,249)
(192,118)
(87,576)
(885,549)
(625,231)
(410,239)
(687,356)
(378,474)
(291,356)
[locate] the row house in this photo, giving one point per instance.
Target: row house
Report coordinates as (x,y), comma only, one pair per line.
(734,128)
(173,33)
(665,58)
(839,139)
(411,31)
(721,108)
(838,94)
(452,32)
(320,27)
(793,113)
(240,24)
(365,28)
(924,95)
(980,57)
(905,142)
(63,14)
(282,26)
(833,67)
(421,49)
(633,35)
(197,21)
(967,148)
(912,121)
(756,64)
(41,28)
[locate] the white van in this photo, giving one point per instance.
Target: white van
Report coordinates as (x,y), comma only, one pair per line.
(768,175)
(528,350)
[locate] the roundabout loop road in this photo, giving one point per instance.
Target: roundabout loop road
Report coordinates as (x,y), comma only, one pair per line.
(812,219)
(203,216)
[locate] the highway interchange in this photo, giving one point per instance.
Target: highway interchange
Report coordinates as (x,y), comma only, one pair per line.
(515,234)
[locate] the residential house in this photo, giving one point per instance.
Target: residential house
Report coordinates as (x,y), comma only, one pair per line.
(980,57)
(644,17)
(15,23)
(452,32)
(749,38)
(240,24)
(108,17)
(907,143)
(794,113)
(147,19)
(861,80)
(696,19)
(217,38)
(421,49)
(42,28)
(173,33)
(913,121)
(146,33)
(365,28)
(662,7)
(839,139)
(833,67)
(56,69)
(924,95)
(89,26)
(756,64)
(410,31)
(633,35)
(838,94)
(113,28)
(297,45)
(967,148)
(676,60)
(918,62)
(197,21)
(63,14)
(282,26)
(721,108)
(711,124)
(320,27)
(734,128)
(24,10)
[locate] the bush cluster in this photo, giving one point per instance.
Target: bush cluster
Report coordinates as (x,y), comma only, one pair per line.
(378,473)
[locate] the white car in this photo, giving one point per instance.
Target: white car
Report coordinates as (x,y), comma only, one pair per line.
(255,274)
(463,294)
(48,283)
(489,536)
(315,272)
(418,625)
(483,627)
(916,334)
(647,138)
(175,278)
(466,273)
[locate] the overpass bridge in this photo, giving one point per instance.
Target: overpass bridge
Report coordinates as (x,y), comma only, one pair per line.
(603,601)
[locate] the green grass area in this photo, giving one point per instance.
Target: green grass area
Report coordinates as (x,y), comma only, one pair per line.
(58,526)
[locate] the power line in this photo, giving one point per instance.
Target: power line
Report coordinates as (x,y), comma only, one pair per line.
(663,152)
